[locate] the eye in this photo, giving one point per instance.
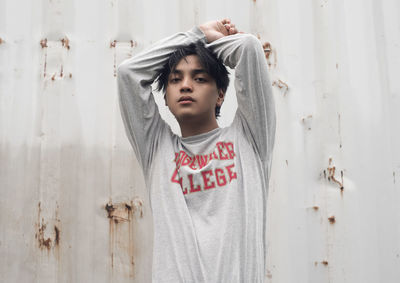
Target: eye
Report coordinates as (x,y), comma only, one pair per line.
(200,79)
(174,80)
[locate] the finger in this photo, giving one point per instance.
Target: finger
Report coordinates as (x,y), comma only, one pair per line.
(226,21)
(233,31)
(227,26)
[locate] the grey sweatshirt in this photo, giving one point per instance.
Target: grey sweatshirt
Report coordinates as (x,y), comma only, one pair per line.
(208,193)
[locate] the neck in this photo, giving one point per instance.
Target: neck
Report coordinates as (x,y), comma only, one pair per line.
(192,128)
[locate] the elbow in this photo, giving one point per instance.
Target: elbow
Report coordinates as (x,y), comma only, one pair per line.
(122,69)
(251,43)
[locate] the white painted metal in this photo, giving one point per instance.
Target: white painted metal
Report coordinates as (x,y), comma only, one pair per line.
(73,206)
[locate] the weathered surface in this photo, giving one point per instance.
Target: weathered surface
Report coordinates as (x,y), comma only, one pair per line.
(73,206)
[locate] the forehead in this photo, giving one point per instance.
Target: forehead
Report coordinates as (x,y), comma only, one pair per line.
(189,62)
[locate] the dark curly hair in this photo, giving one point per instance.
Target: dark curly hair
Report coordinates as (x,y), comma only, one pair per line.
(209,61)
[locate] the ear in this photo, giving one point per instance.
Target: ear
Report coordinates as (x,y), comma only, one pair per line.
(221,96)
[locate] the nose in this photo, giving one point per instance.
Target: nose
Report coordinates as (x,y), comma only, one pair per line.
(186,85)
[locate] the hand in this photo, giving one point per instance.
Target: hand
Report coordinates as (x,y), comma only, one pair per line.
(216,29)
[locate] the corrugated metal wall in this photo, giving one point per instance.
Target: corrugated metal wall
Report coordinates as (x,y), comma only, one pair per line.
(73,206)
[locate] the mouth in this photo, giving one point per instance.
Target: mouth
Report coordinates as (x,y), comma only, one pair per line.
(185,100)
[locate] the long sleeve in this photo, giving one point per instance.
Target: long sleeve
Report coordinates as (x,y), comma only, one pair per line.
(143,123)
(256,110)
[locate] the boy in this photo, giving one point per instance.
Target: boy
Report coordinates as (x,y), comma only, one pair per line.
(208,189)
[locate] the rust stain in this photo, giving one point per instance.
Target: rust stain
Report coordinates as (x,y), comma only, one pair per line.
(47,243)
(61,72)
(2,41)
(269,274)
(45,64)
(70,75)
(40,228)
(267,49)
(339,132)
(53,77)
(315,207)
(43,43)
(304,121)
(121,216)
(270,54)
(324,262)
(331,175)
(57,235)
(65,42)
(332,219)
(287,163)
(115,63)
(113,44)
(281,85)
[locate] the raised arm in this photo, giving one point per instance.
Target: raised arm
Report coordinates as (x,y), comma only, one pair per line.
(139,111)
(256,110)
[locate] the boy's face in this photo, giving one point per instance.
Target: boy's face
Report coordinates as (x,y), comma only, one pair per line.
(191,92)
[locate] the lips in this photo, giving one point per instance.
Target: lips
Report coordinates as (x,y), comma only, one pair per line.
(187,99)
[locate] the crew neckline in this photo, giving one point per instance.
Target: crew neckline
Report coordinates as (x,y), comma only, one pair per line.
(200,137)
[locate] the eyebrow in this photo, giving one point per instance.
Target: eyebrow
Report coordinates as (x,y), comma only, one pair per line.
(193,72)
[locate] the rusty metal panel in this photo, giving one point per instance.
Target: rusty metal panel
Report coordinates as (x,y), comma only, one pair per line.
(73,204)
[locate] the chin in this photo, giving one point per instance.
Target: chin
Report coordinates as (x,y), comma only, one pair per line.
(184,116)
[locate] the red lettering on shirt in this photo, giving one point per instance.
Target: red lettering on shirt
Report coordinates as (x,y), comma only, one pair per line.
(192,165)
(232,175)
(192,188)
(174,179)
(229,148)
(220,147)
(186,160)
(206,179)
(202,160)
(220,177)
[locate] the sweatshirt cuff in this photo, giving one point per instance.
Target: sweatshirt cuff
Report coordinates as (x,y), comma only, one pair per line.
(196,31)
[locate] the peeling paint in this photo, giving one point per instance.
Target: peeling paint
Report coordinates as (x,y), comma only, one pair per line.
(281,85)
